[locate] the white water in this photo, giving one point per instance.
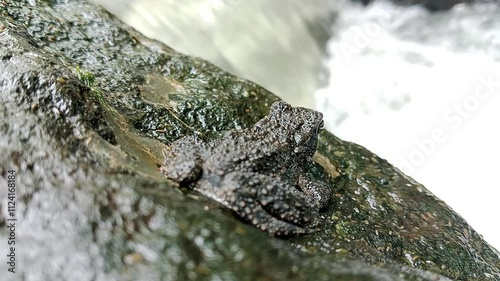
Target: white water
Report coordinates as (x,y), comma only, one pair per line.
(423,91)
(257,39)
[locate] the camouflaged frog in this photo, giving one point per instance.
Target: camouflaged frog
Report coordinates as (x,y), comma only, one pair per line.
(259,172)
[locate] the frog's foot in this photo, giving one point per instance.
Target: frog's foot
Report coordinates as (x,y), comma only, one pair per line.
(269,204)
(183,162)
(263,220)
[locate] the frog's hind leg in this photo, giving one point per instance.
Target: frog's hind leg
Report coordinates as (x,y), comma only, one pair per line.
(243,201)
(287,203)
(182,160)
(267,203)
(266,222)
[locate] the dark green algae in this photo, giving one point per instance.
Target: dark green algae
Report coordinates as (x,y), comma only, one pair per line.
(87,106)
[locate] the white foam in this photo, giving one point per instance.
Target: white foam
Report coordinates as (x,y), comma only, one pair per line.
(399,74)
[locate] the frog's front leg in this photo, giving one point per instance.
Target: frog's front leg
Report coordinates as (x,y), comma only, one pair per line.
(183,161)
(317,191)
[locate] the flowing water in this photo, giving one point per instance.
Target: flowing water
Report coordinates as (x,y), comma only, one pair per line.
(259,40)
(423,91)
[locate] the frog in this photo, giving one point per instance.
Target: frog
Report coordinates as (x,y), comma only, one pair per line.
(260,172)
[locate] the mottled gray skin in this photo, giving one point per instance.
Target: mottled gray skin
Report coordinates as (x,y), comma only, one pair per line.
(258,172)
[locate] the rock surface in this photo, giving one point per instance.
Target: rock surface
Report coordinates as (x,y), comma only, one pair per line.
(86,107)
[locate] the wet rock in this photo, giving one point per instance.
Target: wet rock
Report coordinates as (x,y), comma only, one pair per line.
(87,106)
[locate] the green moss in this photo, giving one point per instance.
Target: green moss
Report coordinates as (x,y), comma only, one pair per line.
(85,76)
(343,229)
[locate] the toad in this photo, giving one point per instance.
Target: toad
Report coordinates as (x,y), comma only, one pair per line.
(259,172)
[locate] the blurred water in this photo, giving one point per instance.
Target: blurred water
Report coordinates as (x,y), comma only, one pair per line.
(423,90)
(267,41)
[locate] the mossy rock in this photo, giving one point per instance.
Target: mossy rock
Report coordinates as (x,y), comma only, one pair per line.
(88,104)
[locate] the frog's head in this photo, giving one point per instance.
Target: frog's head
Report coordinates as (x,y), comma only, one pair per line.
(298,126)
